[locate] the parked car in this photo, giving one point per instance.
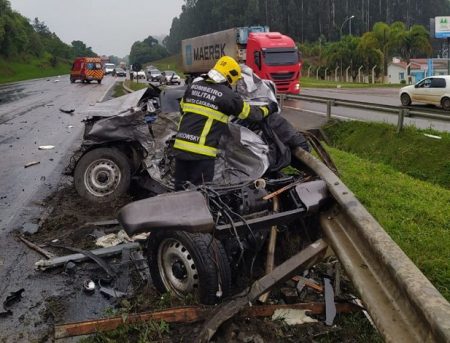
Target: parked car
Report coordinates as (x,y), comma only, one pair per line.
(139,74)
(119,72)
(433,90)
(172,78)
(153,74)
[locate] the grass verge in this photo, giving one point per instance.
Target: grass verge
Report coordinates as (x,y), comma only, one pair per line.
(411,151)
(136,85)
(311,82)
(12,71)
(169,63)
(414,213)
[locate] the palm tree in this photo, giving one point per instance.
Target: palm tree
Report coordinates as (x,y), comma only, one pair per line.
(411,43)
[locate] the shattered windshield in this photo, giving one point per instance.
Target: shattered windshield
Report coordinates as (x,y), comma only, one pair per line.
(274,57)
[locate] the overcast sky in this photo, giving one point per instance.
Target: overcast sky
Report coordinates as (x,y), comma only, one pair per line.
(110,27)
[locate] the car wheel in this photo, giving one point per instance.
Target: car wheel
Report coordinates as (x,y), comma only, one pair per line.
(445,103)
(102,175)
(405,99)
(185,263)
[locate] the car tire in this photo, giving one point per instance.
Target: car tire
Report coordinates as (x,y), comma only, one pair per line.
(445,103)
(185,263)
(405,99)
(102,175)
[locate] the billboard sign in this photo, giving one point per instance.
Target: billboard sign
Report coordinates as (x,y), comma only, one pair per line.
(442,27)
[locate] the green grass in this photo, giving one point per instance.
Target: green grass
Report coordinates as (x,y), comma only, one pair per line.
(312,82)
(136,85)
(416,214)
(410,152)
(169,63)
(12,71)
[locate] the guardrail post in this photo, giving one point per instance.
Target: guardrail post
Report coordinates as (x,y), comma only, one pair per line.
(282,97)
(309,69)
(401,118)
(329,104)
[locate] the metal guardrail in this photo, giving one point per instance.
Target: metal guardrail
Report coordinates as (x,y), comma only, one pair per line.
(400,111)
(402,302)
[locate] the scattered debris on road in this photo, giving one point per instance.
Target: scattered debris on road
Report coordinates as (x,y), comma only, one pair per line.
(29,164)
(79,257)
(37,248)
(68,111)
(46,147)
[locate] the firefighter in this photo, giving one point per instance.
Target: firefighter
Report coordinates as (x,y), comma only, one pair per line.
(206,107)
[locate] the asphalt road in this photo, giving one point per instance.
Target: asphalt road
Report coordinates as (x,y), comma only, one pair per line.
(386,96)
(30,117)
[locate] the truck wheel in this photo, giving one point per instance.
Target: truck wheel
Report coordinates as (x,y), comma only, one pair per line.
(99,81)
(102,175)
(72,80)
(185,263)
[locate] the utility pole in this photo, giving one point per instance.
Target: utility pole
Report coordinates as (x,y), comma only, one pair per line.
(267,20)
(346,19)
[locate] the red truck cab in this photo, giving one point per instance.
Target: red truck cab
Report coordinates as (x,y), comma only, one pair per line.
(275,57)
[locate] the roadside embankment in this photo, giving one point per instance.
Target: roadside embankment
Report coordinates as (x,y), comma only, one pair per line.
(404,182)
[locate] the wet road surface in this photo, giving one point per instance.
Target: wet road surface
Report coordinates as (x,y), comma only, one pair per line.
(30,117)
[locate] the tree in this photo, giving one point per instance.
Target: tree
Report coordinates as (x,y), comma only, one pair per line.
(411,43)
(80,49)
(146,51)
(381,38)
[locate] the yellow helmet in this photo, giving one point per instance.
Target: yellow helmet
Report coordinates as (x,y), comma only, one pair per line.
(228,68)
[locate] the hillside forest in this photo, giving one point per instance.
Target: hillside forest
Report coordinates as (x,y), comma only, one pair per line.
(303,20)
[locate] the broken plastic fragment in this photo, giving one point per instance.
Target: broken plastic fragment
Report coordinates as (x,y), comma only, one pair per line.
(29,164)
(292,316)
(46,147)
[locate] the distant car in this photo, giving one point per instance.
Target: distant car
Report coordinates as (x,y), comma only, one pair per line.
(153,74)
(139,74)
(109,68)
(433,90)
(172,78)
(119,72)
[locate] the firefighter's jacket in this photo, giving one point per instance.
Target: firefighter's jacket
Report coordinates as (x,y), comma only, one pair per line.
(206,108)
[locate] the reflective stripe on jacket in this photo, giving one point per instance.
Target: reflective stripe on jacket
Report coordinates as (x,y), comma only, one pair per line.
(206,107)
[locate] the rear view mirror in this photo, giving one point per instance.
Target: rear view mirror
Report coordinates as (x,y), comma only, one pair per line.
(257,56)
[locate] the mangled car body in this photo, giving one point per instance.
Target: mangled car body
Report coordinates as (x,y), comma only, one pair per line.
(202,238)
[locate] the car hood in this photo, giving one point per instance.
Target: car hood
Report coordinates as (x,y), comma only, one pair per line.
(406,88)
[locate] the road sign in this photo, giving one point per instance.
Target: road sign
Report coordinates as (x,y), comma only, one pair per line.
(442,27)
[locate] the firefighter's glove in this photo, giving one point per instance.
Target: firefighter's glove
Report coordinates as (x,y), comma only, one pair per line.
(273,107)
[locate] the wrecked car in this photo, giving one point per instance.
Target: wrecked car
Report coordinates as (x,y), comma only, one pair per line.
(204,240)
(131,137)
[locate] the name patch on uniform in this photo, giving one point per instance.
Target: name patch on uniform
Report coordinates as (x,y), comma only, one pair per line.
(188,137)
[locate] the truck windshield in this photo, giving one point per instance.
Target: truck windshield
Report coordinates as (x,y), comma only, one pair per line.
(275,57)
